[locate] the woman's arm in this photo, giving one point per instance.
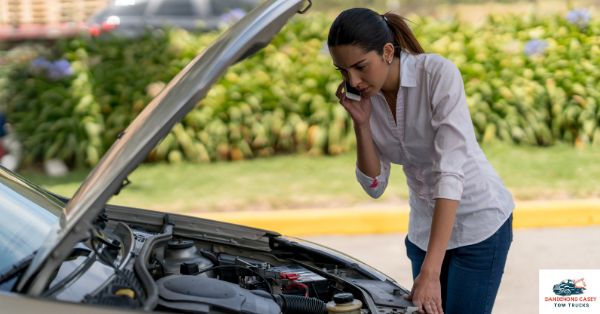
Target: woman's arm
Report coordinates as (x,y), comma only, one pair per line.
(371,173)
(367,159)
(441,229)
(426,291)
(372,169)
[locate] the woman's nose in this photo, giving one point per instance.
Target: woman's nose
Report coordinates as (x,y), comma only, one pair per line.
(354,80)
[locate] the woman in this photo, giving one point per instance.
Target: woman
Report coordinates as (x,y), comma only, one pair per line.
(413,112)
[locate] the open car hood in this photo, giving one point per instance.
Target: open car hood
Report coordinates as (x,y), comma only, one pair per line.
(178,98)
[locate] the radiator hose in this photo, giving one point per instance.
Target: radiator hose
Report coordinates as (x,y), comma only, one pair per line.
(295,304)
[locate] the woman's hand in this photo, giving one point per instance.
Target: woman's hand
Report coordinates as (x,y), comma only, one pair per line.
(426,294)
(360,111)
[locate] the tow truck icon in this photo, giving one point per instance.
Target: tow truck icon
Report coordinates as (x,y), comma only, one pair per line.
(569,286)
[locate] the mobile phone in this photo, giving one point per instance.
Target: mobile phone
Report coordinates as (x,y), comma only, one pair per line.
(351,92)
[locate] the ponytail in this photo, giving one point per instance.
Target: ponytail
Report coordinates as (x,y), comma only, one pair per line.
(404,37)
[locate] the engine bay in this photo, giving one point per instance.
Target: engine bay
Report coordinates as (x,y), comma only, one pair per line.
(190,273)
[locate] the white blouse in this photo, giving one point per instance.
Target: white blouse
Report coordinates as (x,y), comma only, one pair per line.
(433,139)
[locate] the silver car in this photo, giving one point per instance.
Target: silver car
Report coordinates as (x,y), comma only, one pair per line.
(133,18)
(73,255)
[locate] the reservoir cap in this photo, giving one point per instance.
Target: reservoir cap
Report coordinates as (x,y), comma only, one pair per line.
(343,297)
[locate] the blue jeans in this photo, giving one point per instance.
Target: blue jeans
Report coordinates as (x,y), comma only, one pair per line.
(471,274)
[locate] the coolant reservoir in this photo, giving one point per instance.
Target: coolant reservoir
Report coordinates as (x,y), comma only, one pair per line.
(344,303)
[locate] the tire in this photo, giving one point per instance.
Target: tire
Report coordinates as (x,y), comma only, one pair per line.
(566,291)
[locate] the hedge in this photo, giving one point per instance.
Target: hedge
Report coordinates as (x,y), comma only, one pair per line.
(529,80)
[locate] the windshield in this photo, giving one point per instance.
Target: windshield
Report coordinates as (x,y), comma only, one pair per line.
(28,214)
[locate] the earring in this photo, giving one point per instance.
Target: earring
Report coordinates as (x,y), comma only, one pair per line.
(390,61)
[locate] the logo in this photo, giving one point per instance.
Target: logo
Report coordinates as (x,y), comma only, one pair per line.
(569,286)
(569,291)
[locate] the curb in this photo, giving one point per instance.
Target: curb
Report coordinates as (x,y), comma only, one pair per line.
(357,221)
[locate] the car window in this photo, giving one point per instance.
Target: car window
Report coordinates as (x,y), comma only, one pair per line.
(220,7)
(137,9)
(176,8)
(28,214)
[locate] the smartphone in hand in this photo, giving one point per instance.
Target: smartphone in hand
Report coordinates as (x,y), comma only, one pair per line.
(351,92)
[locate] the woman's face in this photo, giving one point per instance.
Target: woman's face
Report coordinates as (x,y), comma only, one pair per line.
(366,71)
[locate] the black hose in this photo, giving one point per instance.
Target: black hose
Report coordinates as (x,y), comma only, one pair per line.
(295,304)
(141,270)
(211,256)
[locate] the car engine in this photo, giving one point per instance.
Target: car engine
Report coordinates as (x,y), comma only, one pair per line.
(167,271)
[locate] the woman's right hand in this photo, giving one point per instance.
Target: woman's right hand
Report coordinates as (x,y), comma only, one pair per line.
(360,111)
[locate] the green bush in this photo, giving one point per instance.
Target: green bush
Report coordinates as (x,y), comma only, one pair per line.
(529,80)
(532,80)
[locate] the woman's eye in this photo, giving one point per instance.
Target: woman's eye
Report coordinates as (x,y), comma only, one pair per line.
(342,71)
(361,67)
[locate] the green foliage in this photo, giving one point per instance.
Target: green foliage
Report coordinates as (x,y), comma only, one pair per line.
(282,99)
(537,99)
(77,117)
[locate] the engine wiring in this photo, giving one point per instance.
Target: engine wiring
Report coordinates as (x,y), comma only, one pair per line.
(264,280)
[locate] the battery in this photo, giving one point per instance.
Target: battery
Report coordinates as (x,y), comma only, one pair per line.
(317,284)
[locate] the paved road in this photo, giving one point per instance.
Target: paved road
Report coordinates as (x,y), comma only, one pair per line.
(532,250)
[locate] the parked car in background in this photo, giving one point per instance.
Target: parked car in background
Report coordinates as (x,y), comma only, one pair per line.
(81,255)
(134,17)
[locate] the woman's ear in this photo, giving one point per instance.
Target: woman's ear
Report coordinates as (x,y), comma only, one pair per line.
(388,52)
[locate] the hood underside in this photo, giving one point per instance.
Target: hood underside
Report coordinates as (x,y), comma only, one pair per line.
(178,98)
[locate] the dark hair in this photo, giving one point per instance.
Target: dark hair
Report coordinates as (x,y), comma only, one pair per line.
(371,31)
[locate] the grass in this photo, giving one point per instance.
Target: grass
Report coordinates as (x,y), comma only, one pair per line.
(285,182)
(558,172)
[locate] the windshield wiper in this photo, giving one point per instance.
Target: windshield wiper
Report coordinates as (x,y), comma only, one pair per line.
(17,268)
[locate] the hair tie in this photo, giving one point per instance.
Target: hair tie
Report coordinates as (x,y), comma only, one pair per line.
(384,18)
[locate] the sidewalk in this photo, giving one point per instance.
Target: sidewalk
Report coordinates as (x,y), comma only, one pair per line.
(353,221)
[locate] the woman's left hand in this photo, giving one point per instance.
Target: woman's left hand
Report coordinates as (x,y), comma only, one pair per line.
(426,294)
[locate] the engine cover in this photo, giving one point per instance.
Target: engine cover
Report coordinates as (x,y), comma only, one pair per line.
(207,295)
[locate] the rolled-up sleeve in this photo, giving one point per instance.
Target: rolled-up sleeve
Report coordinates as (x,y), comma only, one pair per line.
(452,127)
(375,186)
